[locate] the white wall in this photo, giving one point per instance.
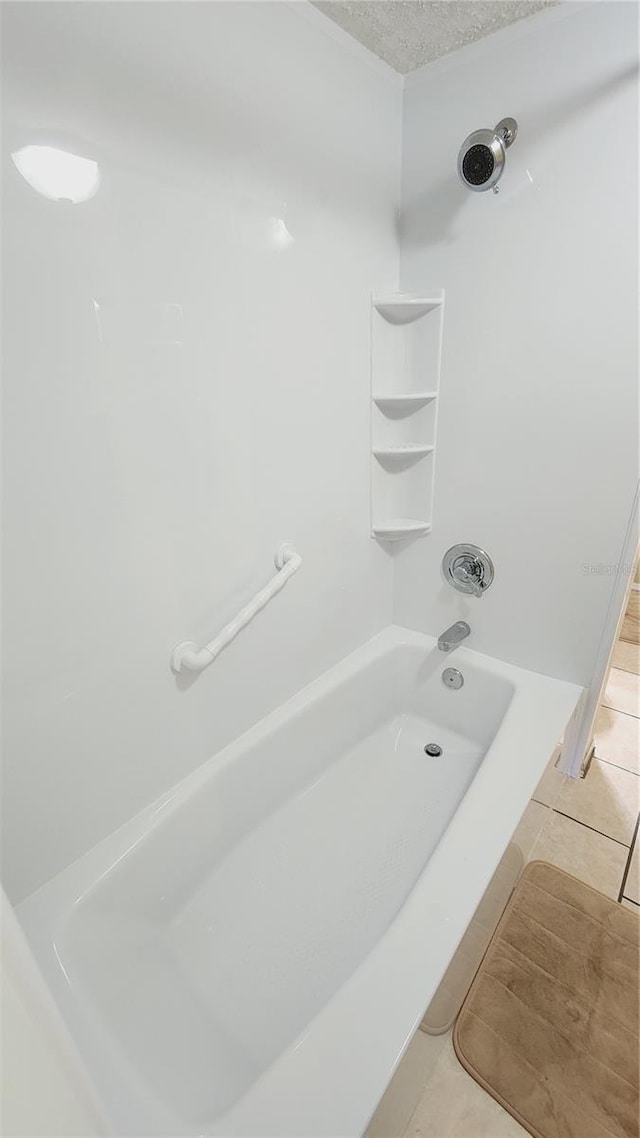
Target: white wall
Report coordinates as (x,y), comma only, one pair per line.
(156,456)
(538,428)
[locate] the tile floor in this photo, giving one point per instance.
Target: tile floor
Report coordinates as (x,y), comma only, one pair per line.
(587,827)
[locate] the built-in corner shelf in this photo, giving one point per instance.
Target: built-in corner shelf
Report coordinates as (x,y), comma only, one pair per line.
(398,529)
(405,308)
(405,402)
(402,453)
(406,347)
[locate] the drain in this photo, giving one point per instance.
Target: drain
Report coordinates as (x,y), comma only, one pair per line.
(433,749)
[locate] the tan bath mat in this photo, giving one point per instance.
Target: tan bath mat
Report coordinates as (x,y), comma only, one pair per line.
(550,1025)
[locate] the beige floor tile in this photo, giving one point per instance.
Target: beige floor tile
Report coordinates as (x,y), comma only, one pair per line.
(626,656)
(631,905)
(632,884)
(455,1106)
(607,799)
(623,692)
(617,738)
(592,858)
(551,782)
(406,1087)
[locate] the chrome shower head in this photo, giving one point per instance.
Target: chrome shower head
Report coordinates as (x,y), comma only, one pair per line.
(482,156)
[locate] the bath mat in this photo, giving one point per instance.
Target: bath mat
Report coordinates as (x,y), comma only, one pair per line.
(550,1025)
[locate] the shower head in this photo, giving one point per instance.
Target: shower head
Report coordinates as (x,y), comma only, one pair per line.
(482,156)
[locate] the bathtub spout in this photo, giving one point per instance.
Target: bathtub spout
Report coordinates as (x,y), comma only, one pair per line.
(453,636)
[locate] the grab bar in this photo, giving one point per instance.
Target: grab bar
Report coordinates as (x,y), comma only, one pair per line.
(188,655)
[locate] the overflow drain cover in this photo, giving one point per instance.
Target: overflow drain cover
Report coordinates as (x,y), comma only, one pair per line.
(433,749)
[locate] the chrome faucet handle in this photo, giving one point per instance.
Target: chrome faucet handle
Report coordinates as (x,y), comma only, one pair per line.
(468,569)
(470,576)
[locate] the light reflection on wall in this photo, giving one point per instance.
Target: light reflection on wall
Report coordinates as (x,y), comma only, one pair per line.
(57,174)
(280,235)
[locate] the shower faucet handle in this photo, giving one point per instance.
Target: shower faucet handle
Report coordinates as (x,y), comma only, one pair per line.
(469,573)
(468,569)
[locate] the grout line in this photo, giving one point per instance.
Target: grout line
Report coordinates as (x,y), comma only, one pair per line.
(620,711)
(631,901)
(592,828)
(610,763)
(626,868)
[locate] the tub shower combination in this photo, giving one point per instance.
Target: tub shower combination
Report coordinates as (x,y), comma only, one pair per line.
(277,924)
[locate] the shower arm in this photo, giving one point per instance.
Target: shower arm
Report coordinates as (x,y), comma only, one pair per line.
(188,655)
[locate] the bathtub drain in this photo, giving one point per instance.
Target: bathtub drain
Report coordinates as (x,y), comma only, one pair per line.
(433,749)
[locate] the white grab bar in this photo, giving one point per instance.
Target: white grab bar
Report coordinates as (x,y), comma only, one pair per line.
(188,655)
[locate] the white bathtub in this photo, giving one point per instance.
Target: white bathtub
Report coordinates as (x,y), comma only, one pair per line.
(251,955)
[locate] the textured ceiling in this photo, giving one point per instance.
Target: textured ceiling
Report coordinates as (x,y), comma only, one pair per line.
(408,33)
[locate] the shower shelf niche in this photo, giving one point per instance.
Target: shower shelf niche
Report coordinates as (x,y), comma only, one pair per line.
(401,457)
(405,308)
(406,347)
(404,403)
(400,528)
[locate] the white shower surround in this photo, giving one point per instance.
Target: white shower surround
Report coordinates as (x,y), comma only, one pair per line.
(200,373)
(177,513)
(252,954)
(172,525)
(538,453)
